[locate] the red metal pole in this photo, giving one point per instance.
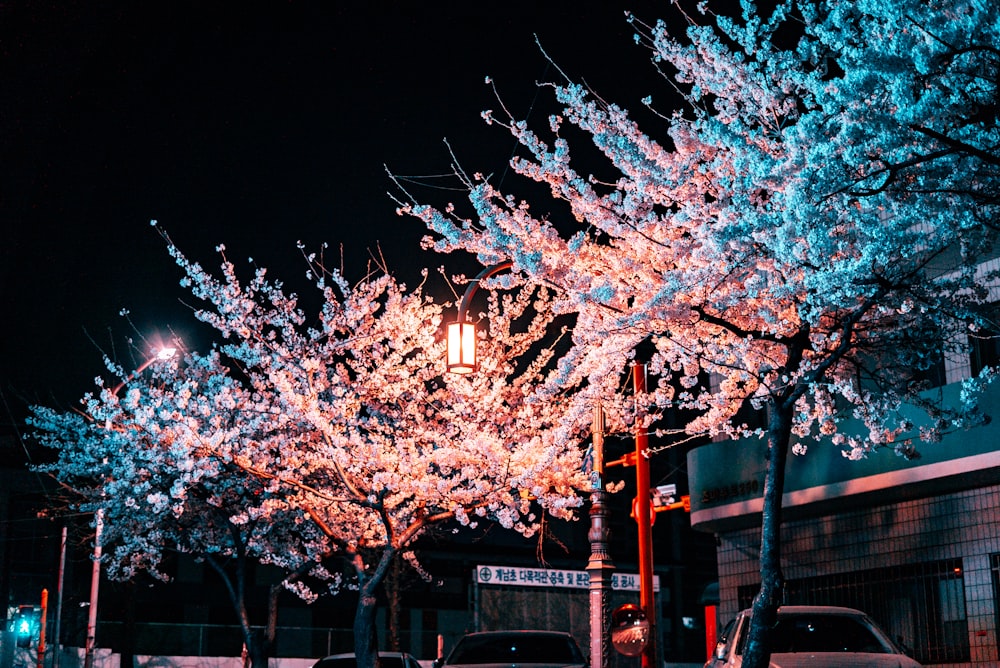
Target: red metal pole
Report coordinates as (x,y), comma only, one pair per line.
(41,628)
(711,632)
(643,517)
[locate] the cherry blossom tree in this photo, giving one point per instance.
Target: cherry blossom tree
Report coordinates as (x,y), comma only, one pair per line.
(803,238)
(164,459)
(400,447)
(333,437)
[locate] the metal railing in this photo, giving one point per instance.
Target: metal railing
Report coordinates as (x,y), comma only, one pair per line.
(167,639)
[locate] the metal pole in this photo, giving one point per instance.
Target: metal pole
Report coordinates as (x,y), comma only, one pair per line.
(41,628)
(643,518)
(59,600)
(95,581)
(475,602)
(600,567)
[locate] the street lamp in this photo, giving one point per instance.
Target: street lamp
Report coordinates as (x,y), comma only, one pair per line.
(462,332)
(159,355)
(461,359)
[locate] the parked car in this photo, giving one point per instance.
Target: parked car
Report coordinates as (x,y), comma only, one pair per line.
(496,649)
(385,659)
(817,636)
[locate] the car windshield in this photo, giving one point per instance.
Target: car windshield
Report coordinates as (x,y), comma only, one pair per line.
(825,633)
(525,648)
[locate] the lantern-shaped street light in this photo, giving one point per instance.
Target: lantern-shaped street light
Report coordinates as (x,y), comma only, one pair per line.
(462,332)
(461,346)
(461,358)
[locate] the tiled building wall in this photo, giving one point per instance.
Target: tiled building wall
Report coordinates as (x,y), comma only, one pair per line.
(962,525)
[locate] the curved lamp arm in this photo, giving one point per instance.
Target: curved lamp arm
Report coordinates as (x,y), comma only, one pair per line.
(462,333)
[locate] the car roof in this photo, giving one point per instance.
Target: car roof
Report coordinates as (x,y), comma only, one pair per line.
(819,610)
(813,610)
(535,632)
(350,655)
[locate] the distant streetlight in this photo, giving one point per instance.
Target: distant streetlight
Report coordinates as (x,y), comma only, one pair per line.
(462,332)
(159,355)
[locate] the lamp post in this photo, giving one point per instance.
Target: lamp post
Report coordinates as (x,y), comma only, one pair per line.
(600,567)
(461,359)
(160,355)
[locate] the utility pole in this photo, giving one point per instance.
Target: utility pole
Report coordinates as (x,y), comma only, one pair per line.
(643,509)
(95,584)
(59,597)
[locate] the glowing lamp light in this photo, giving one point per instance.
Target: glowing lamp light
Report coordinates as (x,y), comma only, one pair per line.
(461,347)
(166,353)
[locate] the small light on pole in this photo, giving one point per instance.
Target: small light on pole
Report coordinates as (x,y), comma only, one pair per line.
(462,333)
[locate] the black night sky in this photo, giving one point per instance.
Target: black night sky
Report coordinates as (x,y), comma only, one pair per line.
(250,124)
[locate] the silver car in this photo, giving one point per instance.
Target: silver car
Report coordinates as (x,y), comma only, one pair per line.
(819,636)
(524,649)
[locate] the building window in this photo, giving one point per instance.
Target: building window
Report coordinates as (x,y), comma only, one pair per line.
(995,569)
(921,606)
(985,344)
(753,418)
(934,375)
(985,351)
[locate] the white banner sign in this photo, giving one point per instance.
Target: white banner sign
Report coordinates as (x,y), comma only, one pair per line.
(517,576)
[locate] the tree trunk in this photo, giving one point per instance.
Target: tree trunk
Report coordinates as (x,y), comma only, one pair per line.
(270,631)
(255,643)
(392,589)
(765,605)
(127,659)
(256,648)
(365,644)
